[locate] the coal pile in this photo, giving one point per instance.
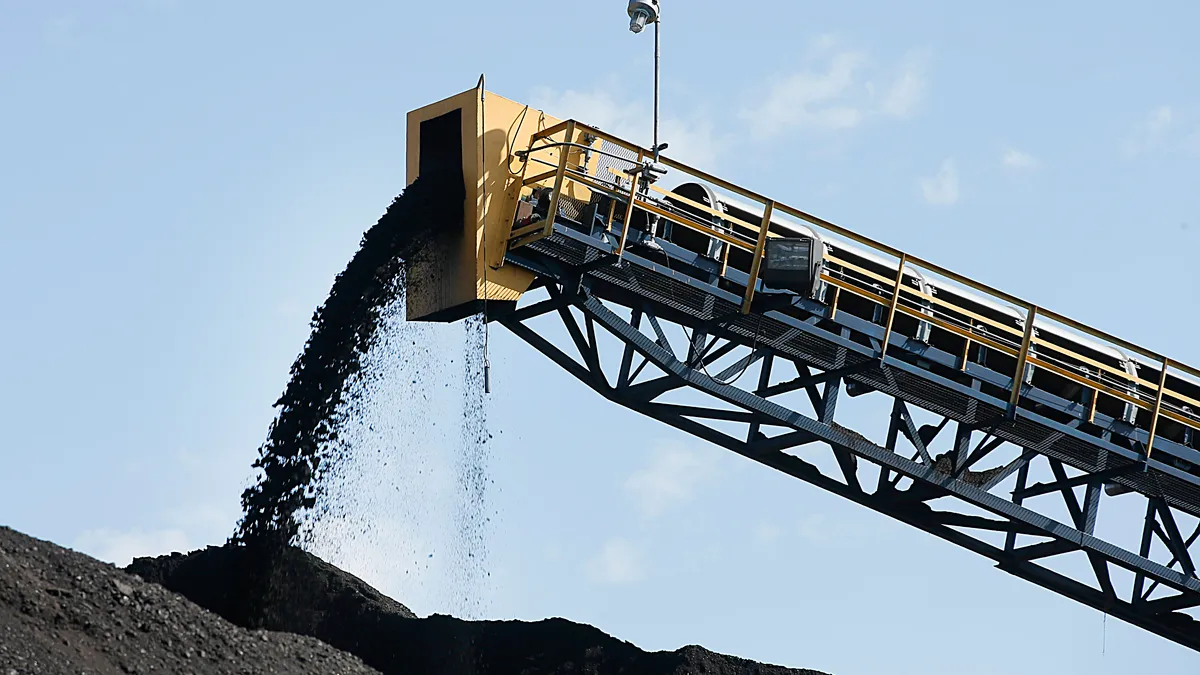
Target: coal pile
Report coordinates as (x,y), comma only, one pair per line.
(311,598)
(63,612)
(319,600)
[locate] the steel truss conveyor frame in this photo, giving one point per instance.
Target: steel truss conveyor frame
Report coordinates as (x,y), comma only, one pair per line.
(822,353)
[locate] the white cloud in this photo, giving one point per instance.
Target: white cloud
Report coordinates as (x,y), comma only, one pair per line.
(185,527)
(810,100)
(692,139)
(1165,130)
(904,95)
(832,92)
(671,478)
(120,548)
(1151,133)
(1019,160)
(941,189)
(835,89)
(619,562)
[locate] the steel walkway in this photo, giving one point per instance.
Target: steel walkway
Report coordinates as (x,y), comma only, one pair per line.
(999,429)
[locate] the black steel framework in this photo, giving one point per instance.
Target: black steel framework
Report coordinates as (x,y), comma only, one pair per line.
(803,369)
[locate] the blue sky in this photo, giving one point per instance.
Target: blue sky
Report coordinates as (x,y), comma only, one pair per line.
(182,181)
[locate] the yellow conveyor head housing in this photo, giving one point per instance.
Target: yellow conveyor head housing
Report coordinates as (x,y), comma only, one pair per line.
(479,130)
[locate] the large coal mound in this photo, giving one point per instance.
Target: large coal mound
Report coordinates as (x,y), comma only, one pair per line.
(311,597)
(64,612)
(316,599)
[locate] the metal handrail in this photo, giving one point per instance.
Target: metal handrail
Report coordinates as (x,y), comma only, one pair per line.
(562,174)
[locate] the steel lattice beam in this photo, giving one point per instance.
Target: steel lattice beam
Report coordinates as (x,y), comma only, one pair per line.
(951,475)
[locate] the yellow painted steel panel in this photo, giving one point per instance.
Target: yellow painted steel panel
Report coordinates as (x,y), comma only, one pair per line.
(494,130)
(454,274)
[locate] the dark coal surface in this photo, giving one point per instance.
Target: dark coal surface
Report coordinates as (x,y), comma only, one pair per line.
(343,331)
(324,602)
(63,612)
(314,598)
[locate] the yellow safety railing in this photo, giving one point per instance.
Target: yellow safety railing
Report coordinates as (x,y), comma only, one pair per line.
(572,139)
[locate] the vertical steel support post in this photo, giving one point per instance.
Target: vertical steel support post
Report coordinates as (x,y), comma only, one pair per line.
(1162,386)
(962,446)
(893,435)
(511,215)
(1022,359)
(1091,506)
(564,152)
(1139,580)
(756,263)
(887,333)
(1010,540)
(627,358)
(764,381)
(633,188)
(829,400)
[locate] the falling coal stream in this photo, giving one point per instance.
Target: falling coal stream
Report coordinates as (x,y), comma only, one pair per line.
(305,457)
(404,501)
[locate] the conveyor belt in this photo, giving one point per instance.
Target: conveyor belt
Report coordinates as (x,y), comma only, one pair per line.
(1090,415)
(818,347)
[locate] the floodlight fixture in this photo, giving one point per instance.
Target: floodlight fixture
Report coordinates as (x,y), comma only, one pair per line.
(642,12)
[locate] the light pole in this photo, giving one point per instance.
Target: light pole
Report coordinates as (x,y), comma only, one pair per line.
(642,12)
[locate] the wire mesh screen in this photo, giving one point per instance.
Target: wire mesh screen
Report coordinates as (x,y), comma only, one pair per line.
(611,169)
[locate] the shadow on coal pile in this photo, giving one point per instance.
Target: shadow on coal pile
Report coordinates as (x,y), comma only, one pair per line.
(313,598)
